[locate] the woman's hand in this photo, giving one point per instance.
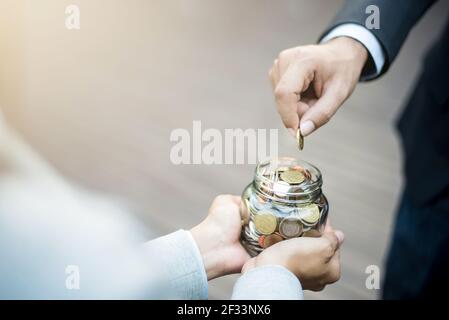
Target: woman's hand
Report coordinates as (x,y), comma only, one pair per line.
(315,261)
(218,238)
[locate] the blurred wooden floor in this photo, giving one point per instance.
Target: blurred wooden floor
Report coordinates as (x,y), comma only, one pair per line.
(100,104)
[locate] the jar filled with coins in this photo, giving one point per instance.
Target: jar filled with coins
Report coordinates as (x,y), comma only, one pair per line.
(283,201)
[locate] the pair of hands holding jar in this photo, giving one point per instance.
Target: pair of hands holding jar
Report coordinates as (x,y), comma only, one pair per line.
(315,261)
(310,83)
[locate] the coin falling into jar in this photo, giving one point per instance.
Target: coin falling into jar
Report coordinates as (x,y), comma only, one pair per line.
(299,139)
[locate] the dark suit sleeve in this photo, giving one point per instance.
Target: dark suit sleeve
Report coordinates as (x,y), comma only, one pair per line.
(397,18)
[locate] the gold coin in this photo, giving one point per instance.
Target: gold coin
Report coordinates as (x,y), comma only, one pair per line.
(292,176)
(299,139)
(290,227)
(309,214)
(265,222)
(305,172)
(270,240)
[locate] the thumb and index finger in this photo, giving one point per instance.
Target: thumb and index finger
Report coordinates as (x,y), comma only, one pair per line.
(298,114)
(292,84)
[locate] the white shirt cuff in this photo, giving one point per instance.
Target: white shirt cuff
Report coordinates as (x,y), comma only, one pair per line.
(365,37)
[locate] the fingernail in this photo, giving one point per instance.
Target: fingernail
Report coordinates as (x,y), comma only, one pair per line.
(340,235)
(292,132)
(307,128)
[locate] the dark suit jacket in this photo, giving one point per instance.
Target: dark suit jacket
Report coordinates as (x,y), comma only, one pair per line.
(424,124)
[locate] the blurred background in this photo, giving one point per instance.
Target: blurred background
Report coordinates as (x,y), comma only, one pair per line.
(100,103)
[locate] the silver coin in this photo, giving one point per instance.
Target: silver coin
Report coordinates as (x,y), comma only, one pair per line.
(291,227)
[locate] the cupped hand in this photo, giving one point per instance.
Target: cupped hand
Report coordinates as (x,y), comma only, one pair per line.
(314,261)
(218,237)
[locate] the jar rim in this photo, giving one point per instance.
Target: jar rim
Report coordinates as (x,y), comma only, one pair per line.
(311,188)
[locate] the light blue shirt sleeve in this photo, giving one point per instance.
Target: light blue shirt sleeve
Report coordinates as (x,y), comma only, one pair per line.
(268,283)
(365,37)
(180,258)
(180,262)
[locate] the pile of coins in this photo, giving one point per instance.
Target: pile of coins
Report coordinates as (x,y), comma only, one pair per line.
(283,202)
(274,214)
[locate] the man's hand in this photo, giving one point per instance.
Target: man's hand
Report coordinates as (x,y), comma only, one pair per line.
(315,261)
(218,237)
(311,82)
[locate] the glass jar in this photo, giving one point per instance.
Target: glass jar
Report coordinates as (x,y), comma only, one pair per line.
(283,201)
